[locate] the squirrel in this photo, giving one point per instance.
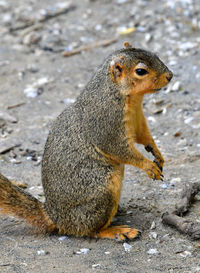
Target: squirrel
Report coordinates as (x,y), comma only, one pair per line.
(87,148)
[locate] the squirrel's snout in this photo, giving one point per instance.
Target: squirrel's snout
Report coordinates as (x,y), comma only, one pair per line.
(169,76)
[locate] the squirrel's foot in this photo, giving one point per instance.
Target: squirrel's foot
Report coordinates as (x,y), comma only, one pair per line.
(120,233)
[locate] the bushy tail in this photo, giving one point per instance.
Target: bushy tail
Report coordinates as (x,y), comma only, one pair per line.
(16,202)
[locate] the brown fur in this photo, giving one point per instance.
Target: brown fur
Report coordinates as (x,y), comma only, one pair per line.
(114,186)
(87,147)
(14,201)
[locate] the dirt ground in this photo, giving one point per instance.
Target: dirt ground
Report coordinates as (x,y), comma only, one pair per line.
(37,83)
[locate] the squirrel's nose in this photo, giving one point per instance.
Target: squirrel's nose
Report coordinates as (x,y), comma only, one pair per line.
(169,76)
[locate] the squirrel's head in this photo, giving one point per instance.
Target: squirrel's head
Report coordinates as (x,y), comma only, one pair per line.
(138,71)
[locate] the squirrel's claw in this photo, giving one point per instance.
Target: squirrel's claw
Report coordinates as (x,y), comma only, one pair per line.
(158,164)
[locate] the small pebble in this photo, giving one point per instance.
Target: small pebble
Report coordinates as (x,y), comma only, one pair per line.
(152,119)
(172,62)
(188,120)
(7,18)
(41,252)
(165,185)
(182,142)
(185,254)
(80,85)
(62,238)
(68,101)
(96,265)
(176,86)
(187,45)
(153,235)
(127,247)
(98,27)
(158,101)
(32,68)
(31,38)
(83,251)
(15,161)
(42,81)
(121,1)
(152,251)
(177,134)
(158,111)
(31,92)
(197,126)
(153,225)
(175,180)
(148,37)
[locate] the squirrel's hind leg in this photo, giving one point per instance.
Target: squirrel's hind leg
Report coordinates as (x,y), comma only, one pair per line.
(121,232)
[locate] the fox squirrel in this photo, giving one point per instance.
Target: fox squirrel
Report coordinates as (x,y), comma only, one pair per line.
(87,147)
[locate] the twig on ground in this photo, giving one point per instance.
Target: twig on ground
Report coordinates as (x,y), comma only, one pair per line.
(174,218)
(88,47)
(31,28)
(6,147)
(15,105)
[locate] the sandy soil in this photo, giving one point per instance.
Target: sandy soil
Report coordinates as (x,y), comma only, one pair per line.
(31,61)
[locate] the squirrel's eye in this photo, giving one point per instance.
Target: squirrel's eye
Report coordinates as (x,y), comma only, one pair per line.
(141,71)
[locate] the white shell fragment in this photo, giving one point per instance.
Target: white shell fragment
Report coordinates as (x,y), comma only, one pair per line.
(152,119)
(68,101)
(127,247)
(165,185)
(188,120)
(41,252)
(175,180)
(96,265)
(153,235)
(31,92)
(83,251)
(62,238)
(153,225)
(152,251)
(185,254)
(35,89)
(176,86)
(187,45)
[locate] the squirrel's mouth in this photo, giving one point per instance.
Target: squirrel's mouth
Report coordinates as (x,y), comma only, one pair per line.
(158,89)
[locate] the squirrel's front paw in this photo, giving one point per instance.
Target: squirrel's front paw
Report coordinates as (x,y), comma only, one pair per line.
(159,162)
(154,171)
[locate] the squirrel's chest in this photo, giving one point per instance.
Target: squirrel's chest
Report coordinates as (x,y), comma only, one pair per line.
(132,117)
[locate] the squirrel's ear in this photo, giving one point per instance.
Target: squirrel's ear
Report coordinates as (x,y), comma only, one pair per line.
(127,45)
(117,67)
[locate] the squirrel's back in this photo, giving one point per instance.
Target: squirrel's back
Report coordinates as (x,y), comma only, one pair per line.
(70,167)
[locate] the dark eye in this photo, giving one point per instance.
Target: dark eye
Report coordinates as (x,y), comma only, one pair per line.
(141,71)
